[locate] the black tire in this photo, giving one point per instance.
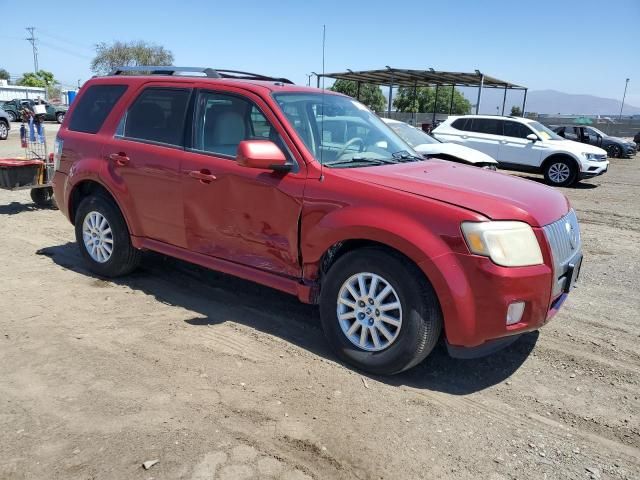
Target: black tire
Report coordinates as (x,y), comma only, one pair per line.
(43,197)
(421,316)
(614,151)
(4,130)
(124,258)
(12,116)
(560,164)
(60,117)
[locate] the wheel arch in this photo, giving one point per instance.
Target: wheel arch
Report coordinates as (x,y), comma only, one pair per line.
(560,156)
(88,187)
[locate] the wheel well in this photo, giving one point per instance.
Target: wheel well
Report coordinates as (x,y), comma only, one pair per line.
(83,190)
(560,156)
(338,249)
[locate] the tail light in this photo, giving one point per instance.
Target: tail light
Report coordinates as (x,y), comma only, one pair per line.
(57,153)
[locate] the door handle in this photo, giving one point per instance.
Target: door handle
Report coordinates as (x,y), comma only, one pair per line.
(120,158)
(464,136)
(204,175)
(503,142)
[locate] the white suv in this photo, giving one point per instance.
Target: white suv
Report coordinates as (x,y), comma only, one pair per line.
(525,145)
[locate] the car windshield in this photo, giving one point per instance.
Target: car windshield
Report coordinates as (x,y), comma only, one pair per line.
(341,132)
(411,135)
(543,132)
(596,131)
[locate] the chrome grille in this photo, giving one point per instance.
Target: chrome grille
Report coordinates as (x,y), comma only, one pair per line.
(564,238)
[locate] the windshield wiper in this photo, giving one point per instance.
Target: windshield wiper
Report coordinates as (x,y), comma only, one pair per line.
(362,160)
(405,156)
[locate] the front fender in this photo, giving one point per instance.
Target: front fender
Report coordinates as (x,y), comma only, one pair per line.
(404,233)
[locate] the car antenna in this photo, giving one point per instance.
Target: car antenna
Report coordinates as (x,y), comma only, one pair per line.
(324,31)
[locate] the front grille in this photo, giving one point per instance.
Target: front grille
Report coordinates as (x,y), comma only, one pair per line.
(564,238)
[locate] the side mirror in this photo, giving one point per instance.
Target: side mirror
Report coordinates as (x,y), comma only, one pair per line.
(262,154)
(533,137)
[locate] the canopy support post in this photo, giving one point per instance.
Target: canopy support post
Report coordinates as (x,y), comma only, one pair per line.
(504,99)
(358,91)
(390,97)
(479,93)
(435,107)
(453,90)
(524,102)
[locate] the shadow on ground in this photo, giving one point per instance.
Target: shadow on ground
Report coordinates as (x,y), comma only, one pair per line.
(215,298)
(14,208)
(577,186)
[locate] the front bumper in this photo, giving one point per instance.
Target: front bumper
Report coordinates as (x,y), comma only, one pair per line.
(590,169)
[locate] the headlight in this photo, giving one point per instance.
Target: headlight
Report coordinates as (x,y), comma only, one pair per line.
(510,244)
(590,156)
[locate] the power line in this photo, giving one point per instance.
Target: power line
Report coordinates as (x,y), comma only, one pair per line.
(32,40)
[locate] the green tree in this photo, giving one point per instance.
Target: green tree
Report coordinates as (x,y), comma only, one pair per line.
(515,111)
(41,79)
(128,54)
(4,75)
(423,99)
(370,95)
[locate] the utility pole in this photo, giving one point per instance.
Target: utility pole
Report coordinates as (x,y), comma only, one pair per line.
(626,84)
(32,41)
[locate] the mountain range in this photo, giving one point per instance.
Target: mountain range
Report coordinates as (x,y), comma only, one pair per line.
(553,102)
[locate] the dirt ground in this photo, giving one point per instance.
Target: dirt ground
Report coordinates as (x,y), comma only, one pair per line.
(220,378)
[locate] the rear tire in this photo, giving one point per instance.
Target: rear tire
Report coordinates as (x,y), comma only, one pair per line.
(401,347)
(12,116)
(60,117)
(103,237)
(560,172)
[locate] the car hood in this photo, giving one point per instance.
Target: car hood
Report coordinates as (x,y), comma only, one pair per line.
(575,147)
(616,140)
(459,151)
(495,195)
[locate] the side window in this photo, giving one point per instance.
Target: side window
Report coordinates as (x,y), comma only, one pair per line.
(223,121)
(486,125)
(94,106)
(570,133)
(157,115)
(515,129)
(461,124)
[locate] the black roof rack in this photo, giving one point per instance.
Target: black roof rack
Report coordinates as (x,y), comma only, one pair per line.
(208,72)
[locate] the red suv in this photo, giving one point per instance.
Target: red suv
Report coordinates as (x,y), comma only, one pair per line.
(240,173)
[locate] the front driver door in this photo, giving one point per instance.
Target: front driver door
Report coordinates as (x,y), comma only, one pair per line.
(243,215)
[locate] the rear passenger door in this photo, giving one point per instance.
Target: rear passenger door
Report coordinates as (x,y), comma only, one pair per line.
(483,134)
(144,159)
(515,148)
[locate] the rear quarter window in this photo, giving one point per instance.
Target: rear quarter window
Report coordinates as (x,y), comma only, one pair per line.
(94,106)
(460,124)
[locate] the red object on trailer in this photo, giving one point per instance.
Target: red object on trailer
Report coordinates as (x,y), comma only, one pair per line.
(16,173)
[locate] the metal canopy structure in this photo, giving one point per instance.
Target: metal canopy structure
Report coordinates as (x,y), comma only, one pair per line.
(400,77)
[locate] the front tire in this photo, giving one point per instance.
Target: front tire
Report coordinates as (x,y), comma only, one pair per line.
(4,130)
(43,197)
(103,237)
(560,172)
(378,311)
(614,151)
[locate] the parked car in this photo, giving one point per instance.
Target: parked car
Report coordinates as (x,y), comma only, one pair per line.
(525,145)
(5,124)
(235,172)
(54,112)
(426,145)
(636,139)
(616,147)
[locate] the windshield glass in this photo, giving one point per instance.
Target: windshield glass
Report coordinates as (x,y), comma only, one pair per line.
(596,131)
(341,132)
(411,135)
(543,132)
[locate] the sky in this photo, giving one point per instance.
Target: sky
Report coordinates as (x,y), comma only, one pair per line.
(585,47)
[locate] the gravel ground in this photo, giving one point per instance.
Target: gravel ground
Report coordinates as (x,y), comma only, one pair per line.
(220,378)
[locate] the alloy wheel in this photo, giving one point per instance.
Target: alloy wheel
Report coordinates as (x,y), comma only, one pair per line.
(97,236)
(559,172)
(369,311)
(4,131)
